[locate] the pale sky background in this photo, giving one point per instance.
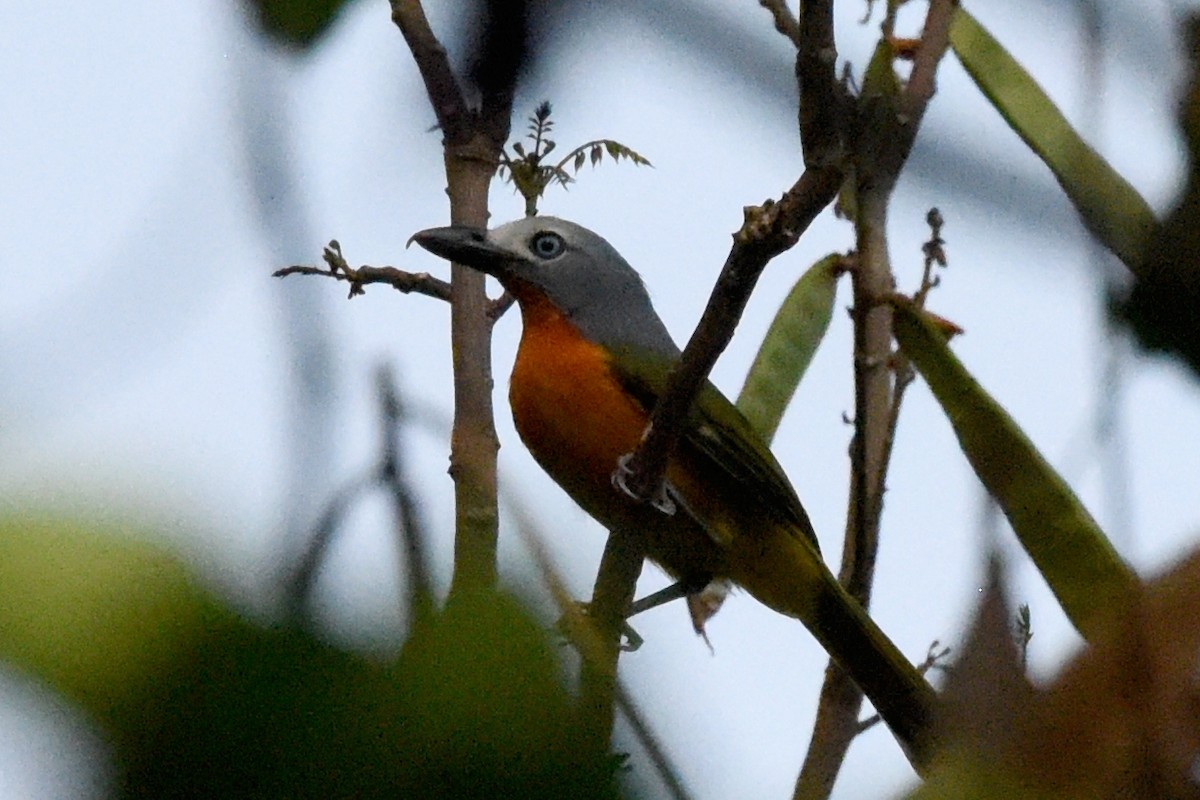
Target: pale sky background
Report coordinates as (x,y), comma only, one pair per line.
(146,360)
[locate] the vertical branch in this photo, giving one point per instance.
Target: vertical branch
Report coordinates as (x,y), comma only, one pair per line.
(611,597)
(884,129)
(472,146)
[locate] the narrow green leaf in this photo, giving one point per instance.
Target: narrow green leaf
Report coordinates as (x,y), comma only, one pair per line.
(788,347)
(880,79)
(597,154)
(1083,570)
(1110,207)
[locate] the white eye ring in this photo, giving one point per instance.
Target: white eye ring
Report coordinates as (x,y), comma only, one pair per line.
(547,245)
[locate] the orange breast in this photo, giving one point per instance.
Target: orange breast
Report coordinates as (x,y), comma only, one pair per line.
(569,410)
(577,421)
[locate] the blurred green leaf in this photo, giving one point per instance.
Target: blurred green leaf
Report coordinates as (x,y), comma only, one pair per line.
(880,79)
(788,348)
(1110,207)
(199,703)
(1083,570)
(94,610)
(298,23)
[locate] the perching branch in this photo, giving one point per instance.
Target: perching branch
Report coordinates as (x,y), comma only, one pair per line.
(767,231)
(611,598)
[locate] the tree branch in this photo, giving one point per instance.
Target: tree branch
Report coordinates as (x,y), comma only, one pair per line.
(611,597)
(885,130)
(785,21)
(768,230)
(440,84)
(472,146)
(358,277)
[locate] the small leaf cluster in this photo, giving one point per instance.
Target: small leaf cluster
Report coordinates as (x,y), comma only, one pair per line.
(527,170)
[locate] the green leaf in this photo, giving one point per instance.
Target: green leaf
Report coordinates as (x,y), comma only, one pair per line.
(880,79)
(788,347)
(1110,207)
(580,157)
(1083,570)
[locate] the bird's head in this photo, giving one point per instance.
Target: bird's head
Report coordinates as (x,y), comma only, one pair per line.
(575,269)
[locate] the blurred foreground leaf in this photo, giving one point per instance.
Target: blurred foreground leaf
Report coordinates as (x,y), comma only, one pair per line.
(199,703)
(788,348)
(1083,570)
(297,23)
(1121,721)
(1110,207)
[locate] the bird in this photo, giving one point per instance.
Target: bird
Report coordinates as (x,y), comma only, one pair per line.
(593,358)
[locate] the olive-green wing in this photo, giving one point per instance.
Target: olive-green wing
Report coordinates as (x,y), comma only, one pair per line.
(719,431)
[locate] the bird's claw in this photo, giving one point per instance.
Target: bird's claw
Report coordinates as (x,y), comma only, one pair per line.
(662,499)
(631,640)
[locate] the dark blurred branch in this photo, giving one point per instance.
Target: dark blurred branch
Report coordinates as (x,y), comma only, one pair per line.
(409,528)
(358,277)
(304,577)
(585,637)
(389,475)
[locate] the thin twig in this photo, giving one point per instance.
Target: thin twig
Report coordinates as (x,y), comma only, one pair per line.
(501,304)
(440,84)
(785,20)
(358,277)
(934,256)
(935,657)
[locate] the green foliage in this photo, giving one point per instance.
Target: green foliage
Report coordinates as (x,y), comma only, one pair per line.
(297,23)
(531,177)
(200,703)
(788,348)
(1110,207)
(1074,556)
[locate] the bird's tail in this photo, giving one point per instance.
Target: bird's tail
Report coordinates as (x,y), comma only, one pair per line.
(786,574)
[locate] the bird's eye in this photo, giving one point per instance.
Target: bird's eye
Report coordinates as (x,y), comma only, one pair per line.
(547,245)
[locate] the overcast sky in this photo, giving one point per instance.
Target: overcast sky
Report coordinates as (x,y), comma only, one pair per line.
(146,347)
